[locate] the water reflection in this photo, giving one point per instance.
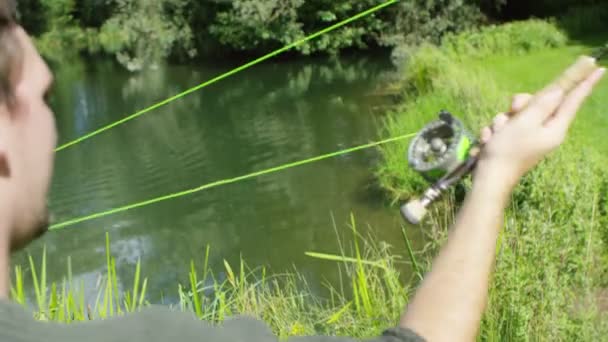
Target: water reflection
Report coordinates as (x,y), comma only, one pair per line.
(260,118)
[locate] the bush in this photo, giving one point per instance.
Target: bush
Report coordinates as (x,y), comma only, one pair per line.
(512,38)
(142,34)
(421,62)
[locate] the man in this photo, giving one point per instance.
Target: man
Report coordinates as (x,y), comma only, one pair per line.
(448,305)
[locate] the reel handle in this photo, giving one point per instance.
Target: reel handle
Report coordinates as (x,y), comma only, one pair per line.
(416,209)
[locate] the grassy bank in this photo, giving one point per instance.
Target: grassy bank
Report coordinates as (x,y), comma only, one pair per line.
(550,259)
(549,270)
(369,299)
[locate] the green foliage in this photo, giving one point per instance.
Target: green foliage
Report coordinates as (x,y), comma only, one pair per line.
(32,16)
(62,37)
(93,13)
(546,8)
(452,77)
(419,21)
(372,302)
(255,24)
(491,40)
(141,33)
(65,302)
(512,38)
(432,81)
(551,251)
(585,19)
(550,224)
(262,25)
(144,33)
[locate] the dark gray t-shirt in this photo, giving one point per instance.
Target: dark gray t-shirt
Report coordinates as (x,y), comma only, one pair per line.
(155,324)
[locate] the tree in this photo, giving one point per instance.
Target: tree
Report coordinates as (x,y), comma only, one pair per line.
(259,24)
(63,37)
(143,33)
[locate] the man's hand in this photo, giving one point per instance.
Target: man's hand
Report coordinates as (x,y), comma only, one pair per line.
(518,140)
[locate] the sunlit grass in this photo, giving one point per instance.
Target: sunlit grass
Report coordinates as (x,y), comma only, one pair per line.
(552,250)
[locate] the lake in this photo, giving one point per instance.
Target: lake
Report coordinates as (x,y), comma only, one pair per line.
(268,115)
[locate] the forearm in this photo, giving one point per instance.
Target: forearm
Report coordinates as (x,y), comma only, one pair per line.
(450,301)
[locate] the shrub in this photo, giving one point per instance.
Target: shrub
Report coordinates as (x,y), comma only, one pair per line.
(512,38)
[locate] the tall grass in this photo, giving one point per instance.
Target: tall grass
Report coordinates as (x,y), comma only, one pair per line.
(369,299)
(549,269)
(516,38)
(65,302)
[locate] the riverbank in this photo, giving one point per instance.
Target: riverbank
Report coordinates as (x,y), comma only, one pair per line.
(550,255)
(552,251)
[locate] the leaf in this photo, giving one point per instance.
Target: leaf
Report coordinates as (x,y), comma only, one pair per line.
(344,259)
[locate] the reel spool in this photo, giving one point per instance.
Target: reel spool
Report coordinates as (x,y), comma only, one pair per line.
(440,147)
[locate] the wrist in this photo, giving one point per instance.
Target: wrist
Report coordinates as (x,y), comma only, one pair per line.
(494,179)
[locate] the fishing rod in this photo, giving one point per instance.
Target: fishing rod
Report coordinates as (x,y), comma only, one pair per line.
(444,151)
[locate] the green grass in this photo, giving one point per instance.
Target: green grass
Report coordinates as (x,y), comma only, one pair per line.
(370,298)
(550,258)
(591,122)
(65,302)
(552,250)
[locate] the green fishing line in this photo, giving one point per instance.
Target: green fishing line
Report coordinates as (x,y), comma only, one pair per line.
(225,75)
(222,182)
(87,136)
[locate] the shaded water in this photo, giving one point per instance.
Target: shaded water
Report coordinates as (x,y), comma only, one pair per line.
(266,116)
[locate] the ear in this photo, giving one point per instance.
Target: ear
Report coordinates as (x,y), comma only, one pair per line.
(5,170)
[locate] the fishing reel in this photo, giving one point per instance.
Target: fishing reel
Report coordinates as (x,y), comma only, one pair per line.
(443,152)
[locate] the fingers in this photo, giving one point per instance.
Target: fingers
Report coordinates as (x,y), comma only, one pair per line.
(567,112)
(520,101)
(486,135)
(499,122)
(543,105)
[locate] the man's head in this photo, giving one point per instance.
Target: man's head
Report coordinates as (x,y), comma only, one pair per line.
(27,134)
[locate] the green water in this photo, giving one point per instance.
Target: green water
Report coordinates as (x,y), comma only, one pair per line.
(269,115)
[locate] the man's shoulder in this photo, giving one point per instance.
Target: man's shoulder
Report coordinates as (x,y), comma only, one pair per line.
(154,323)
(243,328)
(161,323)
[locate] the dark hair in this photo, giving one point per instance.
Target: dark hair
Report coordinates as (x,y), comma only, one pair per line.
(7,12)
(10,51)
